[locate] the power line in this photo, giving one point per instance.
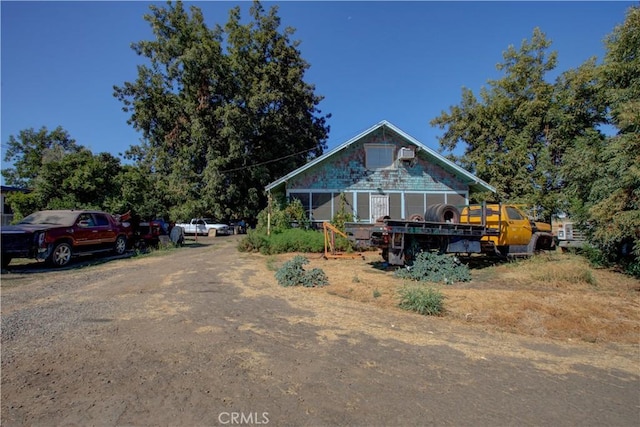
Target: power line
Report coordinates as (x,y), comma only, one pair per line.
(268,161)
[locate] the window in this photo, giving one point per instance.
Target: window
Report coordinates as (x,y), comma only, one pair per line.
(321,206)
(414,204)
(395,205)
(513,213)
(379,156)
(101,220)
(304,199)
(456,199)
(86,220)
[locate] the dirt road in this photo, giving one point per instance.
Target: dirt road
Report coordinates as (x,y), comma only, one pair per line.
(204,336)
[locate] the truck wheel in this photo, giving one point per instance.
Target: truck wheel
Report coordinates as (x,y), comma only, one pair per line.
(121,245)
(60,256)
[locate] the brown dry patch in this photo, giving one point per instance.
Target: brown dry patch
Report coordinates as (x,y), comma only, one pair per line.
(554,295)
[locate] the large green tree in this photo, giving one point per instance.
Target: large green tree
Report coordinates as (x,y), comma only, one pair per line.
(516,135)
(62,178)
(604,174)
(30,149)
(223,111)
(504,131)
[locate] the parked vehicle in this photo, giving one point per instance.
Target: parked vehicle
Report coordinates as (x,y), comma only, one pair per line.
(495,229)
(567,235)
(204,226)
(55,236)
(153,233)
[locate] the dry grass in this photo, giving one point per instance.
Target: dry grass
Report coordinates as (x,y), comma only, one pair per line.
(554,295)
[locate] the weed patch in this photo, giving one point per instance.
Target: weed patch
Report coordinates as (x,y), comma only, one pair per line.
(293,274)
(421,299)
(431,267)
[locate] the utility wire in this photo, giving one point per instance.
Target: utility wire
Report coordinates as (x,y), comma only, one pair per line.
(268,161)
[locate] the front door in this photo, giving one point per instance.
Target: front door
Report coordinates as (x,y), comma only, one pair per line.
(379,206)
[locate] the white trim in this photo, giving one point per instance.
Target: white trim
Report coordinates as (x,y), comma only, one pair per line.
(356,214)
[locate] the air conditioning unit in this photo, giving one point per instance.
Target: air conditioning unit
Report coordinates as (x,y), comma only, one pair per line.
(406,153)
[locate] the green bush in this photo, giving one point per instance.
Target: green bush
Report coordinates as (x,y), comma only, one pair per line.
(293,274)
(421,299)
(253,241)
(432,267)
(289,240)
(596,257)
(283,217)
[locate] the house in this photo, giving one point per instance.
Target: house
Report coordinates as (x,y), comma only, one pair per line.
(381,171)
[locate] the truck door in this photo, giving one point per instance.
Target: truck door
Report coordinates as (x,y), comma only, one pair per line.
(379,206)
(201,227)
(517,230)
(106,232)
(86,234)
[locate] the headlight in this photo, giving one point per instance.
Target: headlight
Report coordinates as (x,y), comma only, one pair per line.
(40,238)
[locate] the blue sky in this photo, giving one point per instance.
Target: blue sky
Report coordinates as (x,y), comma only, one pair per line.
(404,62)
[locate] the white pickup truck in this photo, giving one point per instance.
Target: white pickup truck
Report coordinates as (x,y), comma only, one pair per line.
(205,226)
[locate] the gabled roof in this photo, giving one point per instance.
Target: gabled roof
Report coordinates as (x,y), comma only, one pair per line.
(446,163)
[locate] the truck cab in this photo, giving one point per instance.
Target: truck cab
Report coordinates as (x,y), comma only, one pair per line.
(518,234)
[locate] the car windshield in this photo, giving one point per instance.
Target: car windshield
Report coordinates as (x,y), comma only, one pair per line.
(63,218)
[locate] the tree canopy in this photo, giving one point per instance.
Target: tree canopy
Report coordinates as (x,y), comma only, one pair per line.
(59,173)
(611,204)
(30,149)
(223,110)
(542,142)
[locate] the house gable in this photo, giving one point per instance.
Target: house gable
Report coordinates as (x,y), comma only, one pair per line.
(382,165)
(349,171)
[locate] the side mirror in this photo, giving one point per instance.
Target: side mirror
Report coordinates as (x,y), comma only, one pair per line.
(83,223)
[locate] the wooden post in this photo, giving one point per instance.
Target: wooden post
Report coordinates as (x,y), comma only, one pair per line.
(269,213)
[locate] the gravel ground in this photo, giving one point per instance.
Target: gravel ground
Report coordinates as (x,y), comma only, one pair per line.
(204,336)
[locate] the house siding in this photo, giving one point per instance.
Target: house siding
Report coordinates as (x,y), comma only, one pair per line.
(348,172)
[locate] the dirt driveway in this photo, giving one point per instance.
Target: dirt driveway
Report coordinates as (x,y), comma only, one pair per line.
(204,336)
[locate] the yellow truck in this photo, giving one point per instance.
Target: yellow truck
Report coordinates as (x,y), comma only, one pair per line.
(503,230)
(518,234)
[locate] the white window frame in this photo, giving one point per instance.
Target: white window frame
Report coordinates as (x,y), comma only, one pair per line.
(375,162)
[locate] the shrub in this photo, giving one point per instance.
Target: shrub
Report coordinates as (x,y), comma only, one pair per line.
(296,240)
(432,267)
(343,214)
(421,299)
(253,241)
(290,240)
(293,274)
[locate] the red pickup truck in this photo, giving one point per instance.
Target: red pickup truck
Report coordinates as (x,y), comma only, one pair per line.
(55,236)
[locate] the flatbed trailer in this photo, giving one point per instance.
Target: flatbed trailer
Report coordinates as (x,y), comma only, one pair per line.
(494,229)
(401,239)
